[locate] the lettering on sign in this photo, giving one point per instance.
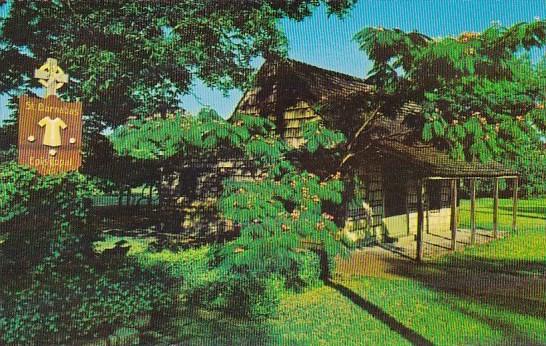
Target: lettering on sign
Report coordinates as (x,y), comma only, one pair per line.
(50,142)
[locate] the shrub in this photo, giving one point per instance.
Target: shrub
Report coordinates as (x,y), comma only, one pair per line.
(44,215)
(254,292)
(65,305)
(62,198)
(240,294)
(189,265)
(265,302)
(307,272)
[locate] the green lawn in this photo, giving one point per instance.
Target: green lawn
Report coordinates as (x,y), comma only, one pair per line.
(378,311)
(531,213)
(492,294)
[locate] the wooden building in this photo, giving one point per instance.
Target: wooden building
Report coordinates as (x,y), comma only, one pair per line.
(411,187)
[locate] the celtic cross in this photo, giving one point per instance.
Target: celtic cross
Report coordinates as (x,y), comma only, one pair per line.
(51,76)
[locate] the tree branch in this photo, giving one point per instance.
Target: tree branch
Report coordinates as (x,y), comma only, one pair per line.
(363,127)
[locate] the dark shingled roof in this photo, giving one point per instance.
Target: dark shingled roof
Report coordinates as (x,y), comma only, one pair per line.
(431,162)
(314,84)
(310,82)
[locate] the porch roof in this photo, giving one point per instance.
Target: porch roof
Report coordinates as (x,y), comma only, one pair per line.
(429,161)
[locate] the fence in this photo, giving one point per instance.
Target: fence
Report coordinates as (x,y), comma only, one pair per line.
(124,199)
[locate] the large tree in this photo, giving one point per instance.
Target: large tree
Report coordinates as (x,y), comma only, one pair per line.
(482,95)
(136,58)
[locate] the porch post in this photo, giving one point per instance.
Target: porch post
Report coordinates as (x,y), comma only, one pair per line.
(407,195)
(473,211)
(454,213)
(496,208)
(515,204)
(420,218)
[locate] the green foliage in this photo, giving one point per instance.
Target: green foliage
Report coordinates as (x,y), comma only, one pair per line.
(184,136)
(480,96)
(128,58)
(189,266)
(284,205)
(276,214)
(45,213)
(308,271)
(240,294)
(56,198)
(277,211)
(135,58)
(316,135)
(67,304)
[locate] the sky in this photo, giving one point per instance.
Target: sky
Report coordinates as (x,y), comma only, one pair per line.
(327,41)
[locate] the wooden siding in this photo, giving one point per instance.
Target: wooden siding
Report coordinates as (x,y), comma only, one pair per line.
(372,179)
(292,120)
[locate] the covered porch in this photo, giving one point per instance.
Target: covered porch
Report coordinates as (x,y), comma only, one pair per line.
(429,165)
(460,236)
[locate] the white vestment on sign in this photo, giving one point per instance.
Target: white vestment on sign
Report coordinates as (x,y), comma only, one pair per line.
(52,136)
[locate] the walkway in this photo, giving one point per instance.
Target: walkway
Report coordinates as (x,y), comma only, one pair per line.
(376,260)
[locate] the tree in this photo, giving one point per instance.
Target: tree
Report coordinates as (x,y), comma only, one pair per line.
(480,96)
(136,58)
(276,210)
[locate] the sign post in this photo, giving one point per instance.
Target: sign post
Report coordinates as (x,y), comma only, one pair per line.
(50,130)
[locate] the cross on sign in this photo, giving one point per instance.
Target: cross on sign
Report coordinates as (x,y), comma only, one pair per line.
(51,76)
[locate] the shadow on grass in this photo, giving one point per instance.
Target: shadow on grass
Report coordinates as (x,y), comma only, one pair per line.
(512,334)
(529,209)
(515,286)
(379,314)
(512,267)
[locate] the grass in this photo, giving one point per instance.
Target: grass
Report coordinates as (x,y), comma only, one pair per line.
(493,294)
(531,213)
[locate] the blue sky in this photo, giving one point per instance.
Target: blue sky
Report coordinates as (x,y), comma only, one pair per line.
(327,42)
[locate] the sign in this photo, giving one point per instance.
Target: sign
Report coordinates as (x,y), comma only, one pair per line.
(50,130)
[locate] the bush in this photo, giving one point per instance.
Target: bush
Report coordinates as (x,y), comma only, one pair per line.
(53,288)
(189,265)
(44,215)
(66,305)
(60,199)
(240,294)
(254,292)
(262,297)
(251,293)
(307,271)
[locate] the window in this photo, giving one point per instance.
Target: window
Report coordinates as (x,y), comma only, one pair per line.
(395,196)
(438,194)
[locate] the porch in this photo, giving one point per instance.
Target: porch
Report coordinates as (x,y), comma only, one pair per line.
(438,243)
(429,165)
(377,260)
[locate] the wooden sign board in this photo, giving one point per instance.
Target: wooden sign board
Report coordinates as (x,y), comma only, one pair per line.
(50,134)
